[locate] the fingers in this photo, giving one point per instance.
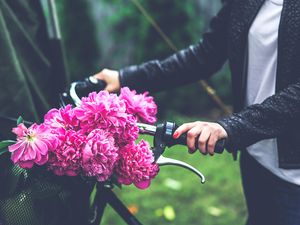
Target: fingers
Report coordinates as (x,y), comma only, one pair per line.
(211,143)
(192,136)
(193,131)
(184,128)
(203,139)
(202,135)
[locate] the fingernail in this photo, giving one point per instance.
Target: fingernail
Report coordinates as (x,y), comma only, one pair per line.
(203,152)
(175,135)
(191,151)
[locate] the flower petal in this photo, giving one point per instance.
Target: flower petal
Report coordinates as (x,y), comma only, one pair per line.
(39,145)
(143,184)
(26,164)
(43,159)
(19,130)
(29,153)
(17,151)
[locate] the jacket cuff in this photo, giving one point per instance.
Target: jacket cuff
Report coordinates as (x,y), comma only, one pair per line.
(228,125)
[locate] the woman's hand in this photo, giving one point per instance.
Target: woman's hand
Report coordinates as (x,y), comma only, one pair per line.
(204,135)
(111,78)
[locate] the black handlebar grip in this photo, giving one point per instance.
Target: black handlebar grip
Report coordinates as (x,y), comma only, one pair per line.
(101,84)
(89,85)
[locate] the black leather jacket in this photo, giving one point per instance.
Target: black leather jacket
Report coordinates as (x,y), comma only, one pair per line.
(278,116)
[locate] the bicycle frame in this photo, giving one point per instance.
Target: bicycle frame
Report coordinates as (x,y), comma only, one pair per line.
(105,196)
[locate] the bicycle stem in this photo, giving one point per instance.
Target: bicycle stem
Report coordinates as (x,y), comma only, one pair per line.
(147,128)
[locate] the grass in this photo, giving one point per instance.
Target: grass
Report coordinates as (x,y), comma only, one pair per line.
(177,197)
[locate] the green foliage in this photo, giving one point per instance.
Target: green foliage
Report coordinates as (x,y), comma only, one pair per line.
(178,19)
(2,151)
(134,41)
(183,23)
(20,120)
(4,145)
(79,38)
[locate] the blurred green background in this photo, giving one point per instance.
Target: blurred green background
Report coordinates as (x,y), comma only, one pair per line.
(112,34)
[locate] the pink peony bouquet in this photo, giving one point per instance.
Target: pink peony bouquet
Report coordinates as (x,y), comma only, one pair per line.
(96,139)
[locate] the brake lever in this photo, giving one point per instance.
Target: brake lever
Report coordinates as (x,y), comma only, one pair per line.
(164,161)
(163,137)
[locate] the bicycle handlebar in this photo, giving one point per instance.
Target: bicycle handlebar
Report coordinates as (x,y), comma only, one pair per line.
(163,133)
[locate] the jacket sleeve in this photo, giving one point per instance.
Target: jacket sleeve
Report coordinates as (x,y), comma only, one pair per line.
(273,117)
(196,62)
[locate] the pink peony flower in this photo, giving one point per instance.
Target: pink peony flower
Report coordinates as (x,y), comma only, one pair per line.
(32,145)
(107,111)
(61,118)
(126,134)
(95,139)
(136,165)
(101,110)
(140,105)
(99,155)
(67,157)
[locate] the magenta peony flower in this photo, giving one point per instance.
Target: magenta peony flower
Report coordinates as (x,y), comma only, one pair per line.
(61,118)
(67,157)
(101,110)
(107,111)
(136,165)
(140,105)
(32,145)
(95,139)
(126,134)
(99,155)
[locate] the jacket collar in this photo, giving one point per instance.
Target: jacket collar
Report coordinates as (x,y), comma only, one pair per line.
(244,12)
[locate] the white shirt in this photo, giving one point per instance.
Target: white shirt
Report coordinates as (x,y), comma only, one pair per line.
(261,80)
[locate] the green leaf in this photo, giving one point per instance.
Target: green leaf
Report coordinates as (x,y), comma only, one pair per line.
(20,120)
(93,195)
(6,143)
(2,151)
